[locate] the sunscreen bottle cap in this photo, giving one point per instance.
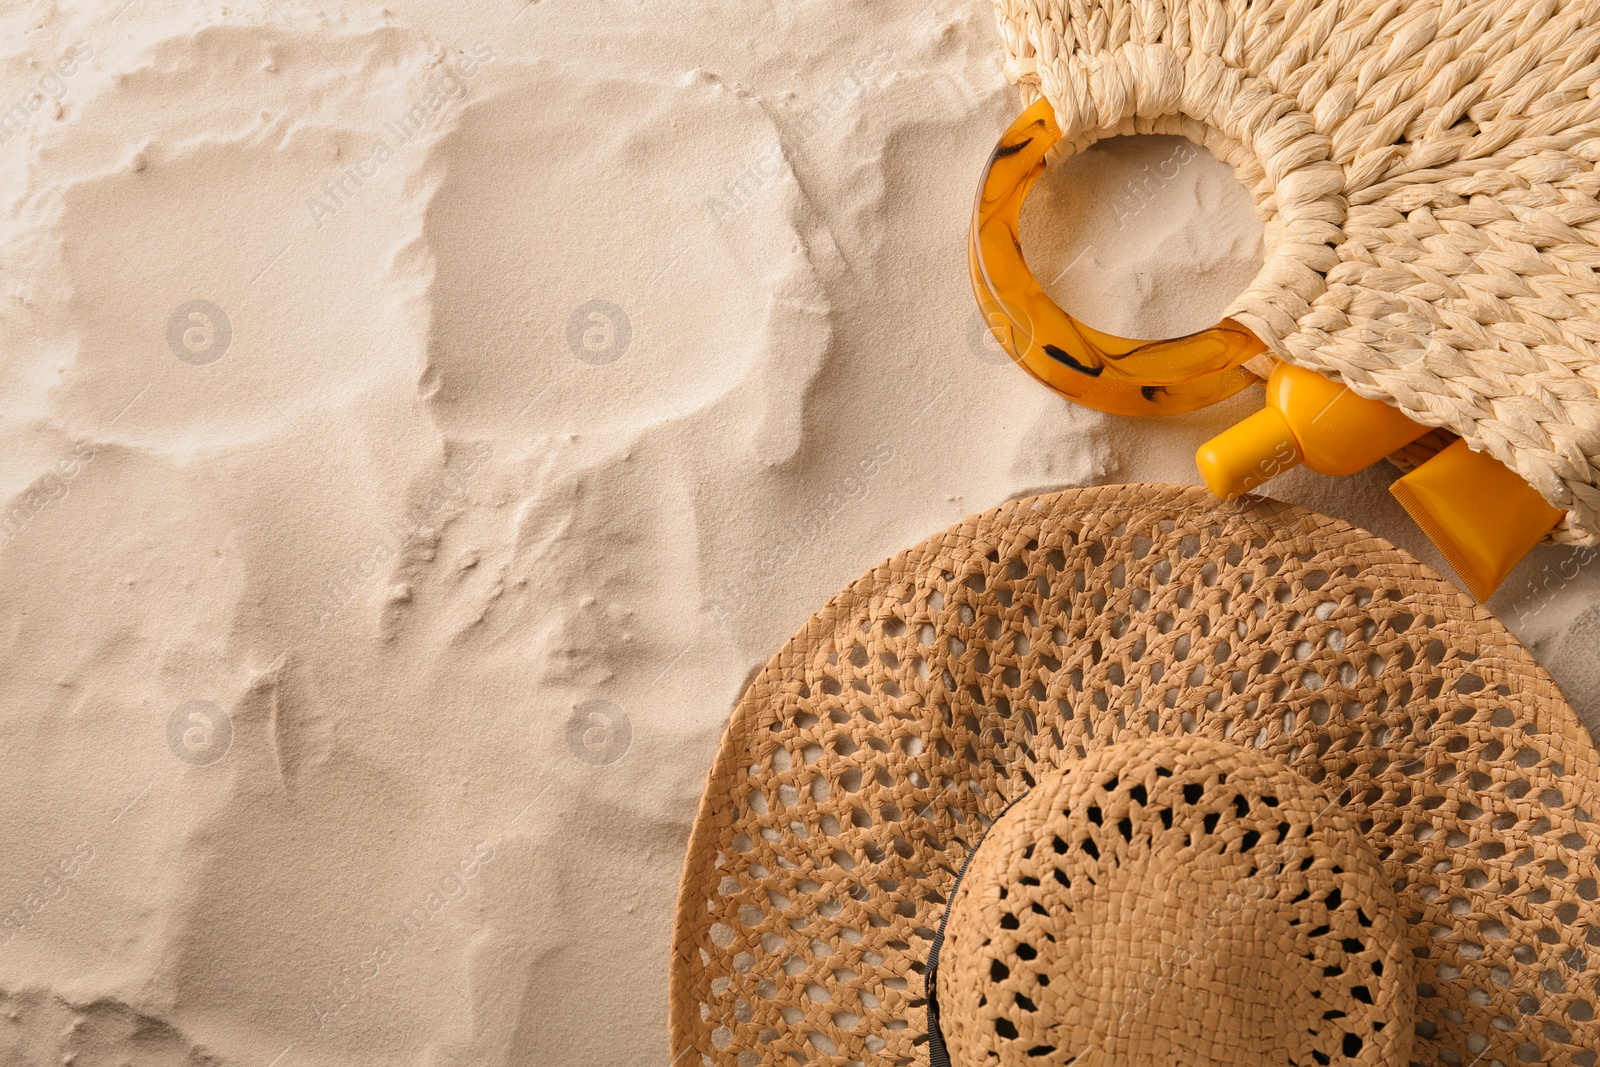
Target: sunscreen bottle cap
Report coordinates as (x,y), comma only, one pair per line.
(1247,454)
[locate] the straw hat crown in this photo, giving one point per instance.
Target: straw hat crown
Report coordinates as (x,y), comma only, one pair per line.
(1173,900)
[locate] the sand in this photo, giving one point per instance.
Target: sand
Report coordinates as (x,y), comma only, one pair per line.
(419,421)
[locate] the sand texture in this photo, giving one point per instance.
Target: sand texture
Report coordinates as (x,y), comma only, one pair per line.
(418,421)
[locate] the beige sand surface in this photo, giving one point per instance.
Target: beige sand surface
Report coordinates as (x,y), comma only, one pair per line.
(416,424)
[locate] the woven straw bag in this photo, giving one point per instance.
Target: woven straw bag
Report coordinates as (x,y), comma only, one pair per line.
(1128,775)
(1426,174)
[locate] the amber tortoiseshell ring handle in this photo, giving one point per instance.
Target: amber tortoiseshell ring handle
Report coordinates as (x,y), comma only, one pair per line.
(1100,370)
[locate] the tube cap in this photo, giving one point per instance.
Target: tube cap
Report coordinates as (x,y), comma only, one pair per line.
(1248,453)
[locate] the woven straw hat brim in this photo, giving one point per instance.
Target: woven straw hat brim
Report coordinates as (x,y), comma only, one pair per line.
(1426,175)
(876,746)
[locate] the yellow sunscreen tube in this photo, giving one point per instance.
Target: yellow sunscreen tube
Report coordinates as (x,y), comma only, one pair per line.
(1308,419)
(1478,512)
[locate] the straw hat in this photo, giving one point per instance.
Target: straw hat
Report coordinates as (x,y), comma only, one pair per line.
(1426,175)
(1130,775)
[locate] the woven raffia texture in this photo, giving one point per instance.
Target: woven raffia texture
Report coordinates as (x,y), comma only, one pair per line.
(882,739)
(1174,900)
(1426,174)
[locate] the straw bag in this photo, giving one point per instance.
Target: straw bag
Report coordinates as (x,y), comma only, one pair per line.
(1426,175)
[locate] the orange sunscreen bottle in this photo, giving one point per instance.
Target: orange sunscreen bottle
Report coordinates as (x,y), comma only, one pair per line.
(1478,512)
(1308,419)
